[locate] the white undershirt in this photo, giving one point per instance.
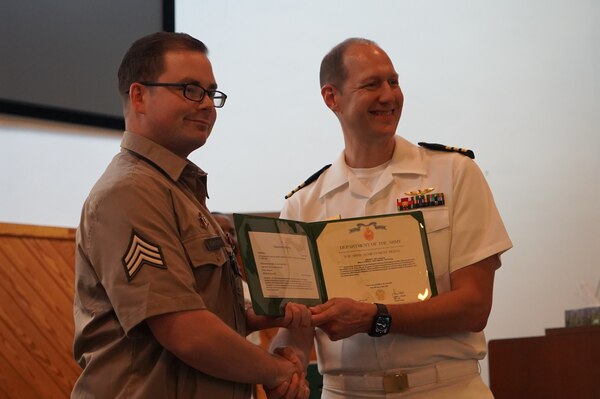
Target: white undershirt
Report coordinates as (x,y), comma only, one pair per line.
(369,177)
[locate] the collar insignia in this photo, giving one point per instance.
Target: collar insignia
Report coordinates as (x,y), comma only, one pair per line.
(141,252)
(203,219)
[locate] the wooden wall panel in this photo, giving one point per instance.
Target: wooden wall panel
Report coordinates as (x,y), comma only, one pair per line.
(564,363)
(36,315)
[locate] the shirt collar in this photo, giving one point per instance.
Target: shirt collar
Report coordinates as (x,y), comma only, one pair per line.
(159,156)
(406,159)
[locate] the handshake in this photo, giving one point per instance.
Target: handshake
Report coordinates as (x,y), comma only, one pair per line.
(290,381)
(339,318)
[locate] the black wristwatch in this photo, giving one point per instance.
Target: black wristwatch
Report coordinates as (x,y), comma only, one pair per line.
(381,322)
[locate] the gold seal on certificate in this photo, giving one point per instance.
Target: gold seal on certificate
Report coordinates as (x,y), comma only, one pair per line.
(381,259)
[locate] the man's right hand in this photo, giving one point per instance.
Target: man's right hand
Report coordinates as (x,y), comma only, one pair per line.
(294,384)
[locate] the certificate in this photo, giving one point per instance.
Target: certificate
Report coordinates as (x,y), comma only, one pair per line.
(382,258)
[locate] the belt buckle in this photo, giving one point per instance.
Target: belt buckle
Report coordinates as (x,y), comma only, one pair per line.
(395,382)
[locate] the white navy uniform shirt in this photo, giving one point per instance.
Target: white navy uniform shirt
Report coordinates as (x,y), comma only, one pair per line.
(465,230)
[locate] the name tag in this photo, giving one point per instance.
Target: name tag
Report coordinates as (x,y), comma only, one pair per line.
(214,243)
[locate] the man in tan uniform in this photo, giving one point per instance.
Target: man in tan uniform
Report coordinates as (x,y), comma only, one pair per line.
(159,310)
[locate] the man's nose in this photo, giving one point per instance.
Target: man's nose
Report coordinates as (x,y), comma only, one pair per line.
(387,93)
(207,102)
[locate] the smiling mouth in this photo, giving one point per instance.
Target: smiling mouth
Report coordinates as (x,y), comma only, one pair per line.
(199,121)
(383,113)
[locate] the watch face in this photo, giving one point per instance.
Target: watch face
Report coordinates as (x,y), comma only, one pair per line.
(382,325)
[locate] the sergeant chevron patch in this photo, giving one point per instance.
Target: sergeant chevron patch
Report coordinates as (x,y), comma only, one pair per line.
(141,252)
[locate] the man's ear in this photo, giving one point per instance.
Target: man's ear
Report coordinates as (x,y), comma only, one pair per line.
(330,96)
(137,95)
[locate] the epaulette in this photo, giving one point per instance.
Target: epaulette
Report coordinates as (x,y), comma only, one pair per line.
(306,182)
(441,147)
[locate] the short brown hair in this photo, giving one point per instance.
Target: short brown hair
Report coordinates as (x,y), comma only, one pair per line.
(144,61)
(332,66)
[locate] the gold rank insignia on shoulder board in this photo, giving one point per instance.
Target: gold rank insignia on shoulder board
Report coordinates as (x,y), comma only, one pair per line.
(306,182)
(447,148)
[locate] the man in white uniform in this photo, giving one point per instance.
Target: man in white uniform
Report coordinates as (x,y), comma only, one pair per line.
(428,349)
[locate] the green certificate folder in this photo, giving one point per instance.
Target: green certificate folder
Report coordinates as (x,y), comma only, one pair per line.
(382,258)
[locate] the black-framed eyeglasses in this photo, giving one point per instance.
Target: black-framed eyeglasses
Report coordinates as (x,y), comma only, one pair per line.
(194,92)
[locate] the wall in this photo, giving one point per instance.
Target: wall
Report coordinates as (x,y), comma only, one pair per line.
(515,81)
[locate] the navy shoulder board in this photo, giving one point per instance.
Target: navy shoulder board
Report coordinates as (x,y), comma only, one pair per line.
(306,182)
(441,147)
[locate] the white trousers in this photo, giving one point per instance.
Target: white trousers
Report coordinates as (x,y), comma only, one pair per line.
(446,380)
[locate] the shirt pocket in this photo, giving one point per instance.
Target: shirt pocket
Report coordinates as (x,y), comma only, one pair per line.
(198,253)
(436,220)
(437,226)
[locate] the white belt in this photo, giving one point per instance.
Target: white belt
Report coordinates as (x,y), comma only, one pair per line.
(401,380)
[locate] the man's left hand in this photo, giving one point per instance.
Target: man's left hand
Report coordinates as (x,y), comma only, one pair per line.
(296,316)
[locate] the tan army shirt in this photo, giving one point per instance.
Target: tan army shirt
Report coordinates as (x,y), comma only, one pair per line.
(146,246)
